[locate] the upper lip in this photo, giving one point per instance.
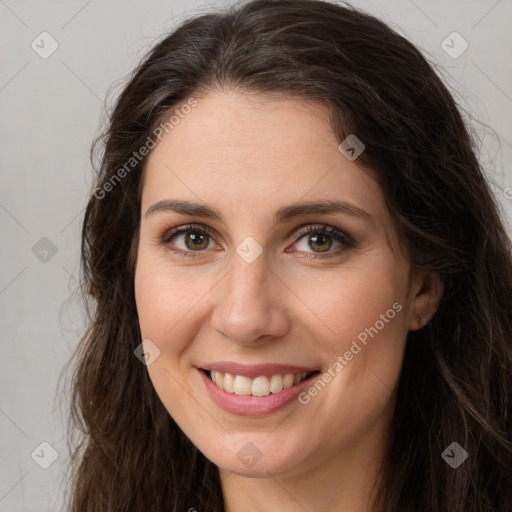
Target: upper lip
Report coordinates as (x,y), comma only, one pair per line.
(256,370)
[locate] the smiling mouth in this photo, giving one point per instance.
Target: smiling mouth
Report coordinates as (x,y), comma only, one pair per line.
(259,386)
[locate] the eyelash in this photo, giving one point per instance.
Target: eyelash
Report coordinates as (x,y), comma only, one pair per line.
(345,240)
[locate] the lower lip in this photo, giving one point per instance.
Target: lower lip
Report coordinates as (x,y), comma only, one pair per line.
(247,405)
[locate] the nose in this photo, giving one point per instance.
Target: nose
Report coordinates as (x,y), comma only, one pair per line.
(250,303)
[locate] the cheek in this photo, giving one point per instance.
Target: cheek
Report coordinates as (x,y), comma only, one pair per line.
(346,303)
(168,303)
(360,327)
(339,307)
(167,297)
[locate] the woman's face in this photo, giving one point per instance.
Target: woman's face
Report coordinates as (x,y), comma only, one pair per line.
(256,296)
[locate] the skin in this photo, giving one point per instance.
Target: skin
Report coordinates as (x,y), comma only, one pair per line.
(248,156)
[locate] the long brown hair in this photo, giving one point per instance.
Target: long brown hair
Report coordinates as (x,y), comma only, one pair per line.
(456,380)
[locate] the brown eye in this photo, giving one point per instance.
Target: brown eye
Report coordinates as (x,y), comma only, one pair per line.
(195,241)
(187,239)
(322,241)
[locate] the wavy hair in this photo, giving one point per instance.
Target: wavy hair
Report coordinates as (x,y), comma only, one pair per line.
(456,380)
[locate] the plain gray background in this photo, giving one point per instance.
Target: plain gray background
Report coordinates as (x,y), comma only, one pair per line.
(53,107)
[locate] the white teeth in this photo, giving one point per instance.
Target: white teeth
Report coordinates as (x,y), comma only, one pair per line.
(288,380)
(260,386)
(276,383)
(242,386)
(229,383)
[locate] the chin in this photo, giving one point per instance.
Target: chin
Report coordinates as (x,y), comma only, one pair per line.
(251,461)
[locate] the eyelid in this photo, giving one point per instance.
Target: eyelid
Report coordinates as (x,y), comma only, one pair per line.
(167,236)
(338,234)
(322,228)
(343,238)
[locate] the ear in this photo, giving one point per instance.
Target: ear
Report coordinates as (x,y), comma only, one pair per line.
(426,292)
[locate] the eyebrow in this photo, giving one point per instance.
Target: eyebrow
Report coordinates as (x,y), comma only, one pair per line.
(282,215)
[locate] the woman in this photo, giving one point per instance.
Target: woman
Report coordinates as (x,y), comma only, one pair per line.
(302,283)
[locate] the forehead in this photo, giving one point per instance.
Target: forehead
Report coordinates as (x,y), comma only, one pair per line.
(248,153)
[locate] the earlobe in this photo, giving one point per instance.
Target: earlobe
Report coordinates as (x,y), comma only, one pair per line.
(429,291)
(419,321)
